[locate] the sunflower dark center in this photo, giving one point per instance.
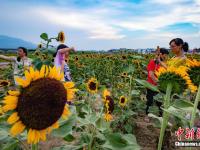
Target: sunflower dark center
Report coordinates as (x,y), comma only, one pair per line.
(42,103)
(4,83)
(122,100)
(110,103)
(123,57)
(92,86)
(44,56)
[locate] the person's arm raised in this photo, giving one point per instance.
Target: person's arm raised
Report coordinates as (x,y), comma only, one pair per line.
(161,62)
(7,58)
(64,50)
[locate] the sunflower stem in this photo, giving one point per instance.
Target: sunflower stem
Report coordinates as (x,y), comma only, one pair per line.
(48,41)
(165,115)
(130,82)
(21,142)
(34,147)
(197,99)
(92,138)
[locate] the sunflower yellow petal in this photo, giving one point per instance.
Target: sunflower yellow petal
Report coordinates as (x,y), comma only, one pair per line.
(17,128)
(13,93)
(36,75)
(71,93)
(37,137)
(42,71)
(55,125)
(20,81)
(57,75)
(30,136)
(32,72)
(61,76)
(66,112)
(69,85)
(13,118)
(9,107)
(46,71)
(52,72)
(106,93)
(43,135)
(27,76)
(10,100)
(108,117)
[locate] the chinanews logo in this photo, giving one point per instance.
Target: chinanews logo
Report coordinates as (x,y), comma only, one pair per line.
(187,137)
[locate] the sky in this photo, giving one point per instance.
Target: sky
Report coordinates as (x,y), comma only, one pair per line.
(103,24)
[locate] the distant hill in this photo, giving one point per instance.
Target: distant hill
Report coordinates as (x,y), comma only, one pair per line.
(13,43)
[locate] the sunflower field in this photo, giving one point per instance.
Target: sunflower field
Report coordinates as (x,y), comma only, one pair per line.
(102,108)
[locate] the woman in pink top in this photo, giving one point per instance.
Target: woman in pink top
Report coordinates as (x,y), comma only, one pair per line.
(59,61)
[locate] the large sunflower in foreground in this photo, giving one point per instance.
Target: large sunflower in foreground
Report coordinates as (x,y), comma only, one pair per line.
(177,77)
(61,37)
(122,101)
(109,105)
(92,85)
(39,103)
(194,71)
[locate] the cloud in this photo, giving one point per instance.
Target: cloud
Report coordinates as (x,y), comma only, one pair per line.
(178,14)
(169,2)
(102,22)
(95,25)
(197,2)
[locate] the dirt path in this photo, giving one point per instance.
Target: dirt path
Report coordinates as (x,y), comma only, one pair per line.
(148,136)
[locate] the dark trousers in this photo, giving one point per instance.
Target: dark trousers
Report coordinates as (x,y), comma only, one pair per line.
(149,96)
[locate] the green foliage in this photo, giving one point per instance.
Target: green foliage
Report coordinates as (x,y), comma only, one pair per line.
(179,84)
(86,127)
(44,36)
(147,85)
(193,75)
(6,141)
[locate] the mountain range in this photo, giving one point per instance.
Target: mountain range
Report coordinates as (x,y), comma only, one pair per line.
(7,42)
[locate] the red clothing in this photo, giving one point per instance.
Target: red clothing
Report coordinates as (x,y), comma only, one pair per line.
(152,66)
